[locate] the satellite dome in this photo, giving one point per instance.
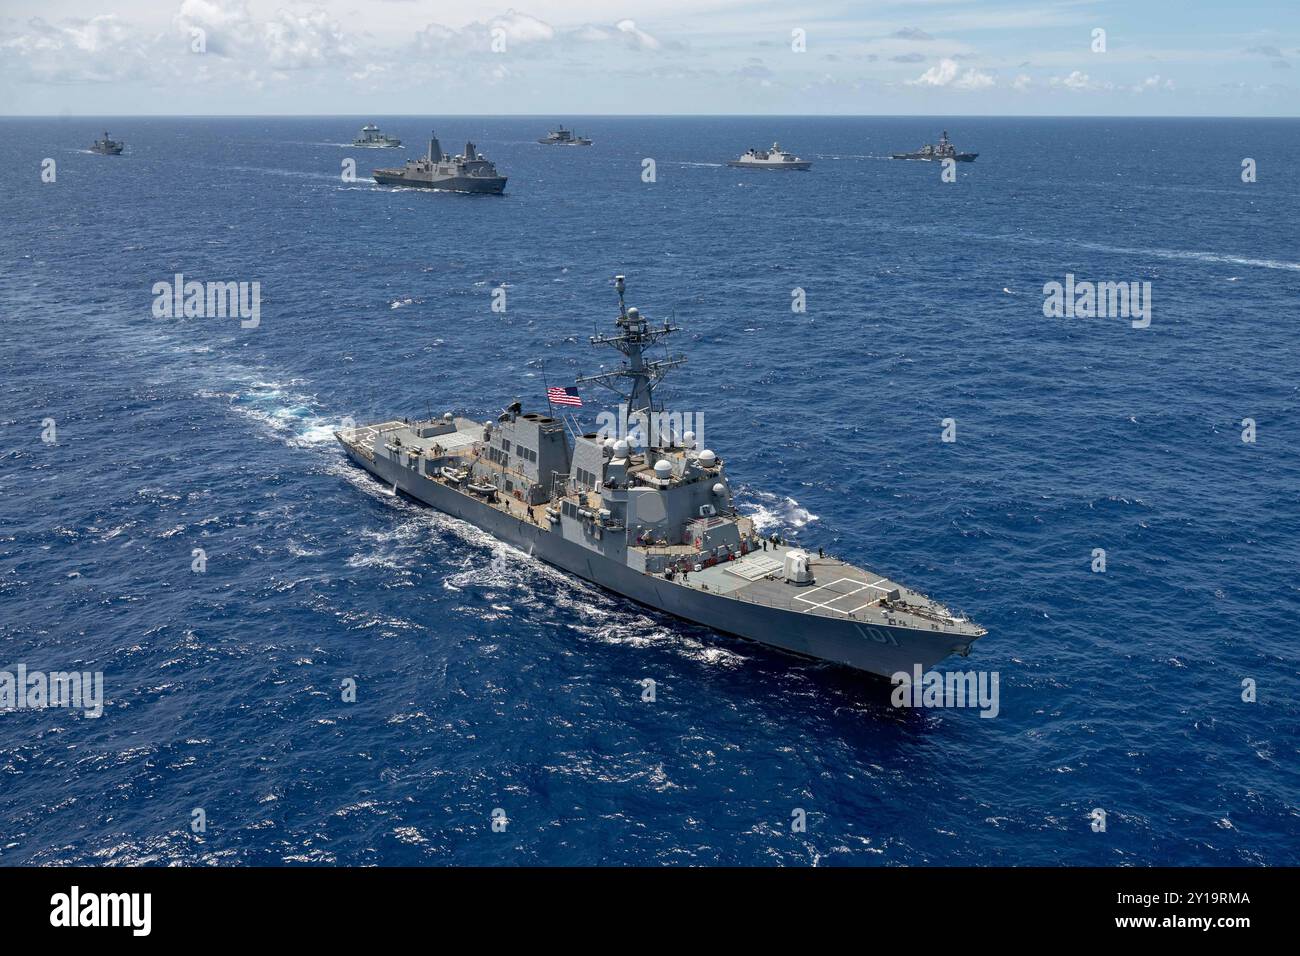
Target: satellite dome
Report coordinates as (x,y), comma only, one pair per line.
(719,489)
(620,449)
(689,439)
(663,468)
(634,313)
(447,416)
(708,459)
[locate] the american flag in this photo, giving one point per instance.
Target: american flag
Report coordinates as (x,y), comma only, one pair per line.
(564,395)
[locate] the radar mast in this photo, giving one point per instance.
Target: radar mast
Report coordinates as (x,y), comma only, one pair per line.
(635,336)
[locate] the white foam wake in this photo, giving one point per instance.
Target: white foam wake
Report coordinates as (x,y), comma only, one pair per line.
(770,512)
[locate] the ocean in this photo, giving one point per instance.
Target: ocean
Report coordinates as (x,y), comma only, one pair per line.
(487,683)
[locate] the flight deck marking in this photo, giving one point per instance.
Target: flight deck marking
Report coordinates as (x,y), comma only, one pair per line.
(840,595)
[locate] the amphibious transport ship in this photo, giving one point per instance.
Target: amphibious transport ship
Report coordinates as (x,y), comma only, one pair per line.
(653,518)
(774,158)
(469,172)
(936,152)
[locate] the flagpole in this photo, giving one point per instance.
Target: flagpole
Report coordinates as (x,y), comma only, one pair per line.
(550,409)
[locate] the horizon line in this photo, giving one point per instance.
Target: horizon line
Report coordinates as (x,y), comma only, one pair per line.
(1117,116)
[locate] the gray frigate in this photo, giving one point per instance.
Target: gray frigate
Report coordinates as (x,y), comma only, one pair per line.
(469,172)
(653,519)
(774,158)
(107,146)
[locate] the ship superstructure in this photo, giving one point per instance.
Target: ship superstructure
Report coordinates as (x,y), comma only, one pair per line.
(651,516)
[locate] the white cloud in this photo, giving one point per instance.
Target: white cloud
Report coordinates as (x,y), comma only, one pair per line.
(526,31)
(101,49)
(517,30)
(295,42)
(625,32)
(947,74)
(974,80)
(638,38)
(1153,82)
(1078,81)
(287,41)
(228,28)
(941,75)
(520,28)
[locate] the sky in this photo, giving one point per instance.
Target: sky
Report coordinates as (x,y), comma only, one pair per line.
(563,58)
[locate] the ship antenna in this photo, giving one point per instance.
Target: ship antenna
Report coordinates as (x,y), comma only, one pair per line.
(620,284)
(635,336)
(550,408)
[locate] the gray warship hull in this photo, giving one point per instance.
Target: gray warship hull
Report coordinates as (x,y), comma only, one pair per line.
(832,635)
(800,166)
(930,158)
(491,186)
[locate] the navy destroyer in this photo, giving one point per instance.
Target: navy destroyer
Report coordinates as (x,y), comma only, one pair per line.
(469,172)
(564,137)
(107,146)
(371,137)
(937,152)
(653,518)
(774,158)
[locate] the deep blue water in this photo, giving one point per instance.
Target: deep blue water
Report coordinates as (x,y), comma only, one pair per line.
(487,680)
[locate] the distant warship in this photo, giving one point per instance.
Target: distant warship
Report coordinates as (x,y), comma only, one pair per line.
(466,173)
(652,517)
(370,136)
(938,152)
(107,146)
(564,137)
(774,158)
